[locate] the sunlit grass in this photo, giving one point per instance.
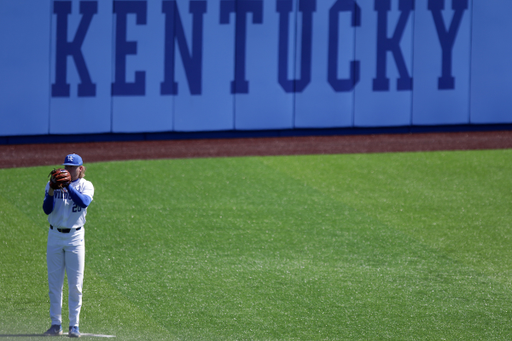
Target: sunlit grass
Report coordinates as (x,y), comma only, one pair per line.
(398,246)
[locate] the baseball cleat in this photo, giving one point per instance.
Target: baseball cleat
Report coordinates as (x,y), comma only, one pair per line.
(54,330)
(74,332)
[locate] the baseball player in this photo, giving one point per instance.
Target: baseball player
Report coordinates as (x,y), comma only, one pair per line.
(66,203)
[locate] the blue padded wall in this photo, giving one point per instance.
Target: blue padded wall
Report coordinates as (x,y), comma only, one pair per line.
(491,67)
(81,68)
(213,107)
(328,99)
(139,42)
(151,66)
(260,102)
(384,48)
(24,63)
(442,55)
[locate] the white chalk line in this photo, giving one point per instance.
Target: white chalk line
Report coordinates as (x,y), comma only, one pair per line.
(95,335)
(36,335)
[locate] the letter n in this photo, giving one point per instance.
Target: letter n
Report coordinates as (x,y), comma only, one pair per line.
(192,61)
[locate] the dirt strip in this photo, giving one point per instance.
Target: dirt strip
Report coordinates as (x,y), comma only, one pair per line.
(26,155)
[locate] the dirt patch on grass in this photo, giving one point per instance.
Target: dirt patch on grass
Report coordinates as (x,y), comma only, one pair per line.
(26,155)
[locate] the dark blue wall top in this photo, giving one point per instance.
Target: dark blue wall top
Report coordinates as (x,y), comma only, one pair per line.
(148,66)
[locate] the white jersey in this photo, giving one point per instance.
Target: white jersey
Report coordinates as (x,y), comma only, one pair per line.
(67,214)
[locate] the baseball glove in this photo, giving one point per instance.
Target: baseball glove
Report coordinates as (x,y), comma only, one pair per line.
(59,178)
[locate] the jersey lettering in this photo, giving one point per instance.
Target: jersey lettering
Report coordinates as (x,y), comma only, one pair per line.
(59,194)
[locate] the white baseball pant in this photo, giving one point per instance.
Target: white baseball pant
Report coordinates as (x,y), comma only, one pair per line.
(65,252)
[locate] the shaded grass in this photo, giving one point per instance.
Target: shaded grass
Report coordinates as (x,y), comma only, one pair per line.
(399,246)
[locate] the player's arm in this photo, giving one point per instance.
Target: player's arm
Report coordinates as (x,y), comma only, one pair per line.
(48,201)
(82,200)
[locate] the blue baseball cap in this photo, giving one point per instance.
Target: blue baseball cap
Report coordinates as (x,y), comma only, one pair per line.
(73,160)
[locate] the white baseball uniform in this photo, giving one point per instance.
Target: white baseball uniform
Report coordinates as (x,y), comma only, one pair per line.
(66,247)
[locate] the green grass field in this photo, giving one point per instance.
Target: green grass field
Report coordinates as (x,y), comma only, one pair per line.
(398,246)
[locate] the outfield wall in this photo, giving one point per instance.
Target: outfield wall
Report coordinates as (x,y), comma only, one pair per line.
(102,67)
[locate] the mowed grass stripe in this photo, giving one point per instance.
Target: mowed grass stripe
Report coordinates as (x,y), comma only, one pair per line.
(264,248)
(457,202)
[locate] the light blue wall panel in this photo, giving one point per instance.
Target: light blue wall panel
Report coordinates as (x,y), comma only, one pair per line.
(320,105)
(491,66)
(138,106)
(24,67)
(266,105)
(204,65)
(379,108)
(212,109)
(89,112)
(437,101)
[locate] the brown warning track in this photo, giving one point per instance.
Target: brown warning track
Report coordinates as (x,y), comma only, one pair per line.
(26,155)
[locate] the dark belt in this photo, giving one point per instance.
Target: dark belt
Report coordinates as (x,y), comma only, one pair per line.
(65,230)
